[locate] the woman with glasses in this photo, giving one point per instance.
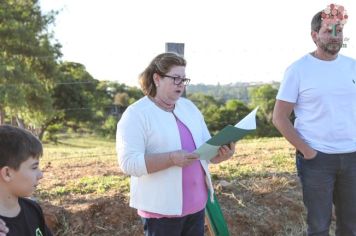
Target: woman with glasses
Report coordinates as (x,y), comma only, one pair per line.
(156,137)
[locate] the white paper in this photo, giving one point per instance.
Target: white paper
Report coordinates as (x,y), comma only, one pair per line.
(249,121)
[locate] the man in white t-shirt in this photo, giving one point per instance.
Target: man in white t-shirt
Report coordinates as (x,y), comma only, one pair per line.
(321,89)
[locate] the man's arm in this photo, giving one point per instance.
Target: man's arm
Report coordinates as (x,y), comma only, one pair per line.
(281,113)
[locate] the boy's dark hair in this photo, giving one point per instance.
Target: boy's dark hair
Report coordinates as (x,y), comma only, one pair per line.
(316,22)
(17,145)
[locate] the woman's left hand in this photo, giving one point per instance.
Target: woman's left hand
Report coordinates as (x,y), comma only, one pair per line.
(225,152)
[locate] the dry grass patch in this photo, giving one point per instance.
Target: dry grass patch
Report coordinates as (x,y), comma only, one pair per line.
(84,193)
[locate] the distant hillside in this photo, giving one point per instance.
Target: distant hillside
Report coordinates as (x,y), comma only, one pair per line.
(225,92)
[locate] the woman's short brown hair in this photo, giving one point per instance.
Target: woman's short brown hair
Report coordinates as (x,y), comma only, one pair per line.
(161,64)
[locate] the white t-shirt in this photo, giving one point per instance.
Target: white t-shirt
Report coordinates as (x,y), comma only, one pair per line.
(324,93)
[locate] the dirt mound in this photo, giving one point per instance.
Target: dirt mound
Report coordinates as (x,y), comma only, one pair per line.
(105,216)
(275,215)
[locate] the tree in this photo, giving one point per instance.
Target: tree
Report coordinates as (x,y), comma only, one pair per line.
(233,111)
(217,115)
(27,62)
(202,101)
(74,97)
(264,97)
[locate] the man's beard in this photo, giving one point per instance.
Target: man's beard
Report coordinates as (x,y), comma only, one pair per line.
(330,48)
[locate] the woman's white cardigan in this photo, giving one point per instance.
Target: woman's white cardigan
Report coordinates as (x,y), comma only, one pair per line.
(144,129)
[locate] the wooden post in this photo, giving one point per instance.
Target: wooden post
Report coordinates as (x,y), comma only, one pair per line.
(175,47)
(179,49)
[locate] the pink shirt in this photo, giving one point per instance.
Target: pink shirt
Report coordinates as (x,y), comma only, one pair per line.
(195,193)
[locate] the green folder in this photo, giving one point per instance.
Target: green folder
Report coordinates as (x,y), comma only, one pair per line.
(229,134)
(216,218)
(208,150)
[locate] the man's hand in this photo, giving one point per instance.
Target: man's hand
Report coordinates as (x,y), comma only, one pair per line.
(310,154)
(3,229)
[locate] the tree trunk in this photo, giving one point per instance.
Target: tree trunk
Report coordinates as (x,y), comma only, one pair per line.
(44,127)
(2,116)
(20,122)
(13,120)
(41,133)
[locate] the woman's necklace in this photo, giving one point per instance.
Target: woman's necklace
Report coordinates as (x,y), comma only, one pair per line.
(161,104)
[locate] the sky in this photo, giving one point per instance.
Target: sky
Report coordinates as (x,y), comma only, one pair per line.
(226,41)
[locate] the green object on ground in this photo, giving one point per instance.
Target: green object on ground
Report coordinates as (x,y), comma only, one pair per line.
(216,218)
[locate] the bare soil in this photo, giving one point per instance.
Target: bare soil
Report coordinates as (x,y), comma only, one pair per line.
(265,204)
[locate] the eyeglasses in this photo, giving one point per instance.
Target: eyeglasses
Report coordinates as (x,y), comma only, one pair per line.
(178,80)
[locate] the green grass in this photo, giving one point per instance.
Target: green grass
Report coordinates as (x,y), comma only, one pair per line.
(246,165)
(90,184)
(79,149)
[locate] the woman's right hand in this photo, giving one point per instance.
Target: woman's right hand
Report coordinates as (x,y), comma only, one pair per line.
(182,158)
(3,229)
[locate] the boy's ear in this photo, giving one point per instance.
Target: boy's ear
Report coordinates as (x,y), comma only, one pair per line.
(6,173)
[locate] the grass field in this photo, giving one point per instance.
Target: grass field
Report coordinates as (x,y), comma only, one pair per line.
(84,192)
